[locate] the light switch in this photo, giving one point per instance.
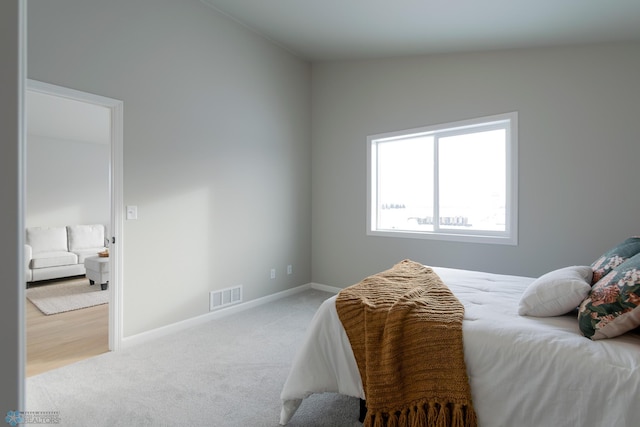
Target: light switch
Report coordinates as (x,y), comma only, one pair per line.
(132,212)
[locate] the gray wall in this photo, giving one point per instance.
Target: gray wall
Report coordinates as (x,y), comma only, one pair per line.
(216,146)
(578,148)
(12,351)
(67,182)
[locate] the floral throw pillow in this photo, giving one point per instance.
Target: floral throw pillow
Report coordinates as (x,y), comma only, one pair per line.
(613,305)
(614,257)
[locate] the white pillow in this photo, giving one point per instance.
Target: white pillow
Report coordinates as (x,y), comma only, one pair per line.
(557,292)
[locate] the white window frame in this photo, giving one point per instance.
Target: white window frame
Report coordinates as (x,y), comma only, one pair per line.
(508,121)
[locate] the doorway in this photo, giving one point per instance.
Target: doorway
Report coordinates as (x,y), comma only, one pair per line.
(114,110)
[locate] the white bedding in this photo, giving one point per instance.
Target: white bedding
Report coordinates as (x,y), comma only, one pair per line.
(523,371)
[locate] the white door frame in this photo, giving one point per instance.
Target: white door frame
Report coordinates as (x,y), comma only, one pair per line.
(116,196)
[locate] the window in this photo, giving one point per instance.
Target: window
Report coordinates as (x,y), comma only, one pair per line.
(455,181)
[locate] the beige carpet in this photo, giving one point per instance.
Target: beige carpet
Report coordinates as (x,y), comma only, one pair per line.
(64,296)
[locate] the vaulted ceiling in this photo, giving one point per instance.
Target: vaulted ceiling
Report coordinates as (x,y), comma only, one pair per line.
(319,30)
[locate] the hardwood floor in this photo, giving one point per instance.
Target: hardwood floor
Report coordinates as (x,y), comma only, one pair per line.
(61,339)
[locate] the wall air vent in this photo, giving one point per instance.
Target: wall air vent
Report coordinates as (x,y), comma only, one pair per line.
(225,297)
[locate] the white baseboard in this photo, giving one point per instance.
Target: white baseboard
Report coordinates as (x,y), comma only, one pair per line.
(189,323)
(325,288)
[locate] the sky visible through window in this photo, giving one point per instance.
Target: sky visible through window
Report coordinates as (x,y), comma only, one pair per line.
(471,182)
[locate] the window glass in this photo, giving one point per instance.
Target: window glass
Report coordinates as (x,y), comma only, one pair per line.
(405,185)
(454,181)
(472,175)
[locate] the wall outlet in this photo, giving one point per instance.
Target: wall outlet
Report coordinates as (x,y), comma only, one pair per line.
(289,269)
(273,273)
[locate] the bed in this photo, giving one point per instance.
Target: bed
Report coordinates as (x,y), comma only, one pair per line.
(523,370)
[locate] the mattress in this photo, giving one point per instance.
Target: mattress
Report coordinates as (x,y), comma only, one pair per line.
(524,371)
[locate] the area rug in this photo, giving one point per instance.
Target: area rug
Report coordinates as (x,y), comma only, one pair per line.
(66,296)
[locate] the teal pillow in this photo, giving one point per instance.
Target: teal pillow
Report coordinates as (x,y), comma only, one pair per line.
(614,257)
(613,304)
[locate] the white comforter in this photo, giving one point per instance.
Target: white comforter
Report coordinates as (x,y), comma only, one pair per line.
(523,371)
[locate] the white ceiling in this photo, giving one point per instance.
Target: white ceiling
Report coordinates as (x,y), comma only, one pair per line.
(319,30)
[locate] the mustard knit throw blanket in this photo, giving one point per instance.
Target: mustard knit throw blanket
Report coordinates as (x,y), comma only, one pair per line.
(405,329)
